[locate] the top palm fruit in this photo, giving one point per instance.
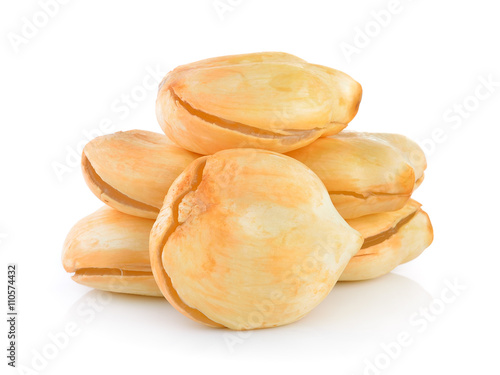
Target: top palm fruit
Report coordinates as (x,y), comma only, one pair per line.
(272,101)
(248,239)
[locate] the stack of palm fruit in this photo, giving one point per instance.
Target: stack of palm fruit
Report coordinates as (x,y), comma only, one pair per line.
(254,203)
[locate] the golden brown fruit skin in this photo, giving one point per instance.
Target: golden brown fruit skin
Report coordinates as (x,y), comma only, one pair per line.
(108,250)
(365,173)
(272,101)
(247,228)
(132,171)
(391,239)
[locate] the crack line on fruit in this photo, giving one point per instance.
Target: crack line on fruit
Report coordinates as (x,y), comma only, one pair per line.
(110,272)
(385,235)
(190,311)
(364,195)
(110,191)
(243,128)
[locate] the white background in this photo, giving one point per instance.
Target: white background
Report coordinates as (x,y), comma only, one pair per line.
(69,75)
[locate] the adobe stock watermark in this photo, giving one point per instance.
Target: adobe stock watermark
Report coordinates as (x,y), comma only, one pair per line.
(456,115)
(364,35)
(31,26)
(419,322)
(59,339)
(120,108)
(222,7)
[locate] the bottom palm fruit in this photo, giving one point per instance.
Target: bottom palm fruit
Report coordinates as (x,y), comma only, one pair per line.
(108,250)
(390,239)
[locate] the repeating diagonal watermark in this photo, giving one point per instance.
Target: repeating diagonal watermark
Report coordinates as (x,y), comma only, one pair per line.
(222,7)
(364,35)
(32,26)
(59,338)
(418,323)
(457,114)
(310,264)
(120,108)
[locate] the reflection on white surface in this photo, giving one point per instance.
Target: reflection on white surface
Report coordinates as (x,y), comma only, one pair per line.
(348,326)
